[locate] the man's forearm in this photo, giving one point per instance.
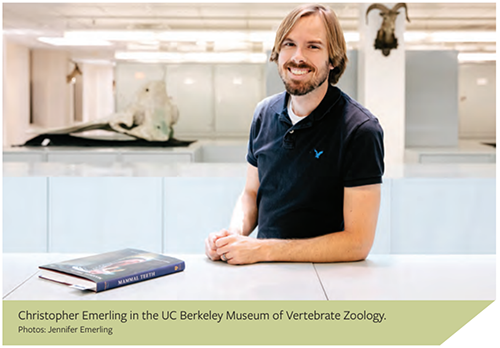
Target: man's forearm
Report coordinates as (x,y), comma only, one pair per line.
(244,219)
(333,247)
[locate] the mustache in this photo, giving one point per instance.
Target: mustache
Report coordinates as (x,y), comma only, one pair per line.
(298,66)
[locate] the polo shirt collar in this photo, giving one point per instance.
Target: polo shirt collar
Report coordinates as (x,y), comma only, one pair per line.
(330,99)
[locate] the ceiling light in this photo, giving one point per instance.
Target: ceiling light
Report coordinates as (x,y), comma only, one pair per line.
(205,35)
(470,36)
(190,57)
(23,32)
(415,36)
(262,36)
(139,75)
(450,36)
(112,35)
(61,41)
(141,46)
(476,57)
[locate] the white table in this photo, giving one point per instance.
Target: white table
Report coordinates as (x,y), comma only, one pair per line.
(411,277)
(380,277)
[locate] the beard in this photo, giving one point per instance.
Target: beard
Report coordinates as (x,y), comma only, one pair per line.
(302,88)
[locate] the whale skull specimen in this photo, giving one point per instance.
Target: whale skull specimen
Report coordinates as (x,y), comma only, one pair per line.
(150,117)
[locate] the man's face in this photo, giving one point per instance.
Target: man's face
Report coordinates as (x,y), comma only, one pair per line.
(303,62)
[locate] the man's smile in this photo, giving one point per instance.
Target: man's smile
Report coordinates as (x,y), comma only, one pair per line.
(296,71)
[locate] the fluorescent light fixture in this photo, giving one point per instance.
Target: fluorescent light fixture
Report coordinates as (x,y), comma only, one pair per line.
(61,41)
(262,36)
(205,35)
(22,32)
(194,57)
(144,47)
(232,46)
(450,36)
(415,36)
(177,35)
(148,61)
(112,35)
(477,57)
(469,36)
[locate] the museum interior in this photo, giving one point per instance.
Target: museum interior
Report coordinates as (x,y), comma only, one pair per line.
(82,69)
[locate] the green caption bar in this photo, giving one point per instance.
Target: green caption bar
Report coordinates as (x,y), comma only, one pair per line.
(235,322)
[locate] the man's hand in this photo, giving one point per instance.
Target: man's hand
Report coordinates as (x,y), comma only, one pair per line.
(239,249)
(210,247)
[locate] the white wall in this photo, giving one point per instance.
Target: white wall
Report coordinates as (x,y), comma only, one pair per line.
(16,93)
(214,100)
(51,92)
(477,101)
(98,95)
(192,88)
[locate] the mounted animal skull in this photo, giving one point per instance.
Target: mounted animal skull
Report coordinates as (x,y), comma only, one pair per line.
(386,40)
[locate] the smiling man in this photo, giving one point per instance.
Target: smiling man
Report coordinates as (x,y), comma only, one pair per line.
(315,158)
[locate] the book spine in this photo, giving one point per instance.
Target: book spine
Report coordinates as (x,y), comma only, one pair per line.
(140,276)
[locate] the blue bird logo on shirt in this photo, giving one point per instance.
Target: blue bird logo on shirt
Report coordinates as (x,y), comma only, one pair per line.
(318,153)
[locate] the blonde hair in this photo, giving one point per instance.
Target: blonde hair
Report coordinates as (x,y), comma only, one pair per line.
(335,37)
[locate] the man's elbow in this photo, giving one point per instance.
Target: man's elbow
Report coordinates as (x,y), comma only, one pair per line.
(356,256)
(360,256)
(359,251)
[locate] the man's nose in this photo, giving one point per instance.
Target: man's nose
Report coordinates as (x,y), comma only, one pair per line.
(298,56)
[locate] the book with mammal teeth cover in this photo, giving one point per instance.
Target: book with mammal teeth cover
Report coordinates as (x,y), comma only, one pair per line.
(110,270)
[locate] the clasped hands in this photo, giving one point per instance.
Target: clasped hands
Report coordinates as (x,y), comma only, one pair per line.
(233,248)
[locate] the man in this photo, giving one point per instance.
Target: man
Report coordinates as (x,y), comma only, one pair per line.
(315,158)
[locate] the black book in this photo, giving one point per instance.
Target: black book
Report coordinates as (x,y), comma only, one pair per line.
(110,270)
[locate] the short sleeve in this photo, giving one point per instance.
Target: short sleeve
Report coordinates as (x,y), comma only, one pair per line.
(250,151)
(250,155)
(364,156)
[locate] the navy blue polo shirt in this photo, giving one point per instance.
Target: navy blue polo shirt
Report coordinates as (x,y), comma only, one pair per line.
(303,168)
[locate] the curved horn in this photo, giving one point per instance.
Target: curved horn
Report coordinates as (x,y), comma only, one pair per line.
(398,6)
(380,7)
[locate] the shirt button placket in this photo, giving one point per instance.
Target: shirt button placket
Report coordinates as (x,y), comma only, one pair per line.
(288,140)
